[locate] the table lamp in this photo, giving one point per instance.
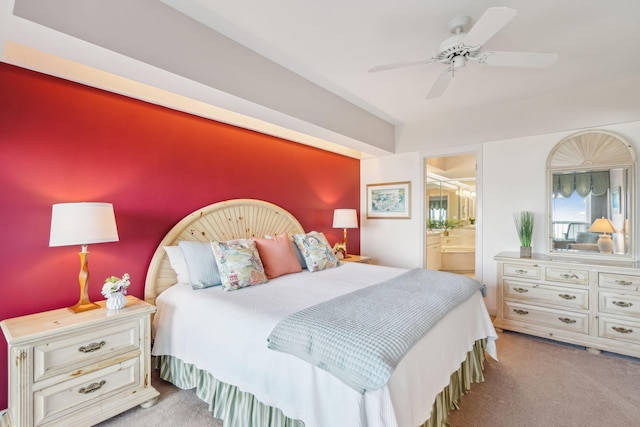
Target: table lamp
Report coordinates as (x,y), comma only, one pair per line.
(603,225)
(345,218)
(82,224)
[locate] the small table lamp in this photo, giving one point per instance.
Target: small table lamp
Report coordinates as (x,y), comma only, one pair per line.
(81,224)
(345,218)
(603,225)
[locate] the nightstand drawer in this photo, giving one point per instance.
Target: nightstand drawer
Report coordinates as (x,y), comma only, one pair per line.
(63,398)
(621,330)
(628,305)
(565,297)
(71,353)
(566,275)
(569,321)
(521,270)
(619,281)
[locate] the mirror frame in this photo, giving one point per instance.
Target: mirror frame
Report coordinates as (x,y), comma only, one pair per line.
(588,151)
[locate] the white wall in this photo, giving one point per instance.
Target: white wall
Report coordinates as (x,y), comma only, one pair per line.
(394,242)
(511,178)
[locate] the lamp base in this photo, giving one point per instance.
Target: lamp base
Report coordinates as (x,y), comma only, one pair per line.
(605,244)
(80,307)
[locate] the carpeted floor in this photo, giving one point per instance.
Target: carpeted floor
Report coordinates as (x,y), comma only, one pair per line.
(536,383)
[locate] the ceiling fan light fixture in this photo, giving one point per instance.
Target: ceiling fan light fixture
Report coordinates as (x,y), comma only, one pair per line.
(458,62)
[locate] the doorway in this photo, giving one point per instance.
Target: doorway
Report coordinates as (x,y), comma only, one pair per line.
(450,212)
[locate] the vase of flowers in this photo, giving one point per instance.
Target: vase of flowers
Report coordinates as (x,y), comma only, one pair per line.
(115,289)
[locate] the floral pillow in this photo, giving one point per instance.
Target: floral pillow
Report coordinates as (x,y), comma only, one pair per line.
(316,251)
(239,264)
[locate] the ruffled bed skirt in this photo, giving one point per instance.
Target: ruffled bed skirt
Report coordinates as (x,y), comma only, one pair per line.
(240,409)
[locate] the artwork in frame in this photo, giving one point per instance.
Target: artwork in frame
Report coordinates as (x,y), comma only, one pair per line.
(615,200)
(389,200)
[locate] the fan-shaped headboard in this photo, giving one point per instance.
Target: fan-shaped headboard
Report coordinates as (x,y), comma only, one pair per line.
(232,219)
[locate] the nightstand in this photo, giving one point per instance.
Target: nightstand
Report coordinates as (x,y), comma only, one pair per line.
(357,258)
(79,369)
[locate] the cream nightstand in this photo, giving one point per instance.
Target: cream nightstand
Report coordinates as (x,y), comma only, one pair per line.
(357,258)
(79,369)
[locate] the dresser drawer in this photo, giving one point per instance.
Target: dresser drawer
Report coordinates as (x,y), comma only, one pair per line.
(622,330)
(521,270)
(558,319)
(66,354)
(566,275)
(627,282)
(564,297)
(628,305)
(55,401)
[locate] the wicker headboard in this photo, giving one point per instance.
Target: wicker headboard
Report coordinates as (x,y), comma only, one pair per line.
(232,219)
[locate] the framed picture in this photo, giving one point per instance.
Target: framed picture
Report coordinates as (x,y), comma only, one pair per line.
(389,200)
(615,200)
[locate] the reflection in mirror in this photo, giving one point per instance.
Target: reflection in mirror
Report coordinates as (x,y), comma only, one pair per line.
(451,214)
(591,196)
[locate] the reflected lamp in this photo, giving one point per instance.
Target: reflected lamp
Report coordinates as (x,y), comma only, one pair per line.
(345,218)
(83,224)
(603,225)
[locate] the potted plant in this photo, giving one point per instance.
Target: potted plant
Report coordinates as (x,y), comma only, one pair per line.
(524,227)
(448,224)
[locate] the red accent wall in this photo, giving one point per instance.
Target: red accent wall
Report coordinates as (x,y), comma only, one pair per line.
(65,142)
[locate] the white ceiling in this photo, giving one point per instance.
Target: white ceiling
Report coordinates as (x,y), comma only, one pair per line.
(333,43)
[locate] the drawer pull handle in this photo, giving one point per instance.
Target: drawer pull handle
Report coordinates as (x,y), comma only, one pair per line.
(91,347)
(520,312)
(622,304)
(519,271)
(521,290)
(622,330)
(92,387)
(567,296)
(569,276)
(566,320)
(623,282)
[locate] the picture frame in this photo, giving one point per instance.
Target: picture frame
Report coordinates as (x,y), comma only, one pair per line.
(615,200)
(390,200)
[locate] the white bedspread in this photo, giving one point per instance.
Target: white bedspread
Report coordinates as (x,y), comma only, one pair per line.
(226,334)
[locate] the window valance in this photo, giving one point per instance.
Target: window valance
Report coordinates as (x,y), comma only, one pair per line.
(583,183)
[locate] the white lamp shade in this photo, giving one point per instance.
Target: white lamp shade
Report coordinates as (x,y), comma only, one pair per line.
(602,225)
(82,223)
(345,218)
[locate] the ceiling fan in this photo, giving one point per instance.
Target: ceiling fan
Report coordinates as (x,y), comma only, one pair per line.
(456,50)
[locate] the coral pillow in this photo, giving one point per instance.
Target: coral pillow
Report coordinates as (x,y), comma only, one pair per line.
(277,256)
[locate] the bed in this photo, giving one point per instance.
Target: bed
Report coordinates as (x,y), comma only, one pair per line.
(216,341)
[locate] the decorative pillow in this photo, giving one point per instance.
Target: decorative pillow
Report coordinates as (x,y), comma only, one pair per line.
(239,263)
(299,256)
(316,251)
(201,264)
(277,256)
(178,263)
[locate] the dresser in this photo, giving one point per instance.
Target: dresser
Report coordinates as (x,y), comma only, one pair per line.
(68,369)
(588,303)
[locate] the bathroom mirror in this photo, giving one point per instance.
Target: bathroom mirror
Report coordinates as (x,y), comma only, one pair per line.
(591,196)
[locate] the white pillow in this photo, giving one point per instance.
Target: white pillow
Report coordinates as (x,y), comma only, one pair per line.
(178,263)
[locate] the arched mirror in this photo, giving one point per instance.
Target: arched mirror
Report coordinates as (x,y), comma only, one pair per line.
(591,194)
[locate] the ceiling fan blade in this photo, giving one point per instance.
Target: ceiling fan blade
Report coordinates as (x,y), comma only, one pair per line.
(401,65)
(441,84)
(519,59)
(491,21)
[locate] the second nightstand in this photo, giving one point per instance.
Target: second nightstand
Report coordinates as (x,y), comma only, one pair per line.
(79,369)
(357,258)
